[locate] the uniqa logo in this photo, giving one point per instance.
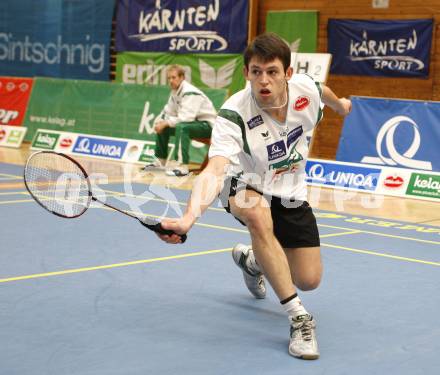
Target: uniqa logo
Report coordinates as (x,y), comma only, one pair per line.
(339,178)
(83,146)
(386,135)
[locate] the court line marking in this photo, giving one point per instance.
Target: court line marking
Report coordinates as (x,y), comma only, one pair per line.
(109,266)
(207,252)
(383,234)
(11,176)
(385,255)
(237,230)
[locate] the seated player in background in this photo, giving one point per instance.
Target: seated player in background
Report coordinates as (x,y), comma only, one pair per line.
(188,114)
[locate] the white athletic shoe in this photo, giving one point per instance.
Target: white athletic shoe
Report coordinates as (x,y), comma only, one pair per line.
(154,165)
(179,171)
(254,281)
(303,342)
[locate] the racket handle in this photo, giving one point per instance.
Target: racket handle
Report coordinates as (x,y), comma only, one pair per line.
(157,227)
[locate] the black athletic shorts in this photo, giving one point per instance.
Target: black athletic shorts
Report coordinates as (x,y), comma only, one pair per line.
(294,224)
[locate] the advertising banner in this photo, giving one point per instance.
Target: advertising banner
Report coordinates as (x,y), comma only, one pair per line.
(127,150)
(14,96)
(394,48)
(182,26)
(424,185)
(215,71)
(380,180)
(101,108)
(342,175)
(12,136)
(396,133)
(298,28)
(62,38)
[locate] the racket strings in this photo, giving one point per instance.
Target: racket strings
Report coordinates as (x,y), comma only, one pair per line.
(58,184)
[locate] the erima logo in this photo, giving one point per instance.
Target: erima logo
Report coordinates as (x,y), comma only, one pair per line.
(220,79)
(265,135)
(276,150)
(255,121)
(386,135)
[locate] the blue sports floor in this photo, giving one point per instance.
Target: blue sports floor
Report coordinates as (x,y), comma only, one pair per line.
(102,295)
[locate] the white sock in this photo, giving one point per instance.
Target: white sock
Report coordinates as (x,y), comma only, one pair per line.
(294,307)
(251,263)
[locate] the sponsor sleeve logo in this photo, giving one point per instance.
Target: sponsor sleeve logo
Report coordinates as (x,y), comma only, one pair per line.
(276,150)
(301,103)
(293,135)
(255,121)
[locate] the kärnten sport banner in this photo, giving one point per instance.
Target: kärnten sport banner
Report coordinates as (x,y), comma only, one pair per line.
(63,38)
(206,71)
(393,48)
(182,26)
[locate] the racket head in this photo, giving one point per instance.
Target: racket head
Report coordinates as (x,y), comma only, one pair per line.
(58,183)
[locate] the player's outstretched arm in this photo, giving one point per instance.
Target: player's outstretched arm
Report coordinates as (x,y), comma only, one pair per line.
(206,188)
(341,106)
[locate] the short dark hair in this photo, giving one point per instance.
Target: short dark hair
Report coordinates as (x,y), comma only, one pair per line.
(267,47)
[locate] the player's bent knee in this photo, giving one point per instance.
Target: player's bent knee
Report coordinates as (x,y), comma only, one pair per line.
(255,219)
(309,283)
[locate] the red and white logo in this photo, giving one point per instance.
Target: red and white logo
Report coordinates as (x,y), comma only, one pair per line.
(2,134)
(301,103)
(393,182)
(66,142)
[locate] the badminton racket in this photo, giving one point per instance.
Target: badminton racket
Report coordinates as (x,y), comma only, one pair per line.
(59,184)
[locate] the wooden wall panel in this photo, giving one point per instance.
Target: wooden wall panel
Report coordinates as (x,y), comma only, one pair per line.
(327,135)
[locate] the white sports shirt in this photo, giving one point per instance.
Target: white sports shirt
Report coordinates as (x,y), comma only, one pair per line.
(264,153)
(186,104)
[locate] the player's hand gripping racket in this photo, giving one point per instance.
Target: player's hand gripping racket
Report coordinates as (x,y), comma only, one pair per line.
(61,185)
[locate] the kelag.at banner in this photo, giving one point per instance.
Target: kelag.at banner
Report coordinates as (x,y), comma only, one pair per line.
(396,133)
(214,71)
(100,108)
(298,28)
(14,96)
(395,48)
(50,38)
(182,26)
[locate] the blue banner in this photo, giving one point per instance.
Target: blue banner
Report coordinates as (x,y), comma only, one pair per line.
(182,26)
(342,175)
(55,38)
(394,48)
(395,133)
(94,146)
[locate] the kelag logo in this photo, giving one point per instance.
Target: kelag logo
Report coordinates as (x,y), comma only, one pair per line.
(342,175)
(45,140)
(100,147)
(424,185)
